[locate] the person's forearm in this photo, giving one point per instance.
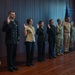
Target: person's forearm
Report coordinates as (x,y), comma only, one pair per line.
(25,32)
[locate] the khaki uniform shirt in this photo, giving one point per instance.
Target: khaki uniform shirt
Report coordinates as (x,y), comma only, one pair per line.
(67,27)
(30,37)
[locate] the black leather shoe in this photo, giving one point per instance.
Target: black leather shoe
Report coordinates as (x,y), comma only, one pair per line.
(28,65)
(32,64)
(39,60)
(10,69)
(15,68)
(50,57)
(54,56)
(43,59)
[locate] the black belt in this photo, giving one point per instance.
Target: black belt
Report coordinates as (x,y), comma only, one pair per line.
(66,32)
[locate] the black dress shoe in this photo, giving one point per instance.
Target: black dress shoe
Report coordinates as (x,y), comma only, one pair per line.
(54,56)
(39,60)
(10,69)
(50,57)
(43,59)
(65,52)
(32,64)
(28,65)
(15,68)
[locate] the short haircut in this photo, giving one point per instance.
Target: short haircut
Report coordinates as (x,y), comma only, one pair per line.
(50,21)
(67,17)
(10,12)
(40,22)
(58,20)
(28,20)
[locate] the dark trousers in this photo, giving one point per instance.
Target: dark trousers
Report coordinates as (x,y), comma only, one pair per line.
(51,46)
(11,54)
(41,50)
(29,52)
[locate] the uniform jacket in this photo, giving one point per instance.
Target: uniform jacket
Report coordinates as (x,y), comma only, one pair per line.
(12,32)
(59,30)
(51,32)
(41,34)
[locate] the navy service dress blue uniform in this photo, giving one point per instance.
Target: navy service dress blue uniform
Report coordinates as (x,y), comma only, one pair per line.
(11,39)
(41,43)
(51,40)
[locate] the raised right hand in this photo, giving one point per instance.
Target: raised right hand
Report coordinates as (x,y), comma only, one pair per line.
(8,20)
(37,26)
(25,26)
(49,26)
(72,23)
